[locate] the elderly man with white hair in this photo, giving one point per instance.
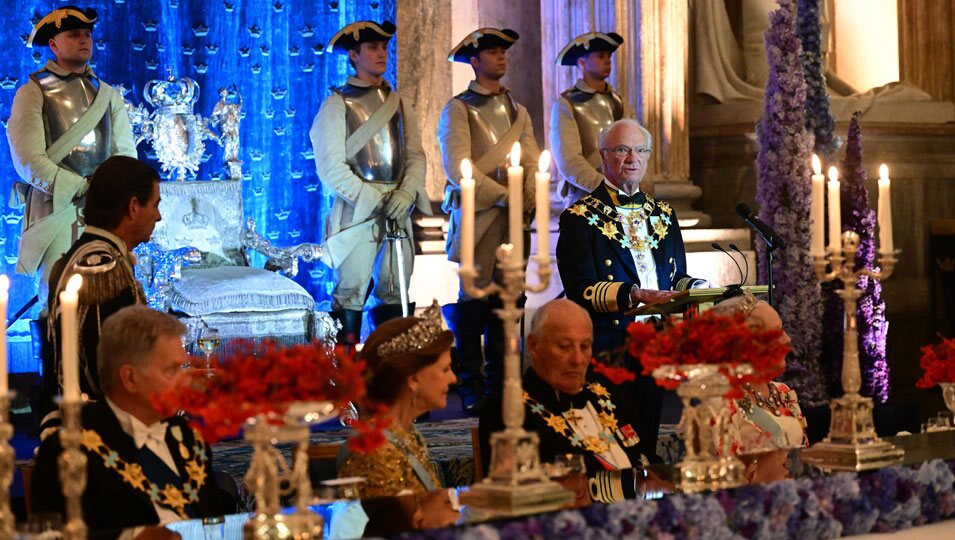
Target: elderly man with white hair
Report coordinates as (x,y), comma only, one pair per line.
(619,248)
(575,411)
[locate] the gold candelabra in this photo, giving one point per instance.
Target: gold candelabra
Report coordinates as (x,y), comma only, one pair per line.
(7,456)
(516,482)
(72,469)
(852,443)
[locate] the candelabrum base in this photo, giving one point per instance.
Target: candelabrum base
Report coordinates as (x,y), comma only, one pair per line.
(497,499)
(698,475)
(297,526)
(853,457)
(516,484)
(852,444)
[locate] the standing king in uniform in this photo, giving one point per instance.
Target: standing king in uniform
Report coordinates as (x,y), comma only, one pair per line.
(582,111)
(618,248)
(482,124)
(63,123)
(368,152)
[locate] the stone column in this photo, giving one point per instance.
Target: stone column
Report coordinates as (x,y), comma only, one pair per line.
(424,74)
(664,108)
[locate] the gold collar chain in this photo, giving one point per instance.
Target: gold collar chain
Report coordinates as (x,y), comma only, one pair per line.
(132,473)
(558,422)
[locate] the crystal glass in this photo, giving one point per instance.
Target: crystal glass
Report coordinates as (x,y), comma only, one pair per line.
(208,342)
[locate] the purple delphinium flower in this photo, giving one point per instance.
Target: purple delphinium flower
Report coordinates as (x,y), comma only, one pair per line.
(857,216)
(783,191)
(819,120)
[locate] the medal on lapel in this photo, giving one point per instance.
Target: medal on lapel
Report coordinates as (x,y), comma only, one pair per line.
(177,434)
(628,437)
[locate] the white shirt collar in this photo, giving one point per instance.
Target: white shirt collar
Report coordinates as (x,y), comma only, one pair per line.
(135,428)
(474,86)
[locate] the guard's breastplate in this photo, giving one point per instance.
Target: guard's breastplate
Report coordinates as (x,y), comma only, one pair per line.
(383,158)
(489,118)
(593,112)
(64,102)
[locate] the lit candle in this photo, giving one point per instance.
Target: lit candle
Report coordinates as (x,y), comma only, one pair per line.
(467,215)
(515,200)
(817,212)
(69,339)
(885,213)
(835,213)
(4,286)
(542,186)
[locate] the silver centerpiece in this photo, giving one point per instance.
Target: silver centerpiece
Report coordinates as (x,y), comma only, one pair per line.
(708,465)
(177,134)
(72,469)
(269,470)
(852,443)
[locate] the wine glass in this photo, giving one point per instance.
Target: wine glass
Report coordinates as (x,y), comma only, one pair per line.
(208,342)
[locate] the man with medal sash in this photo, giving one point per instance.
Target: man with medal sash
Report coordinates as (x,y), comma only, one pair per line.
(482,124)
(141,470)
(575,411)
(368,154)
(618,248)
(582,111)
(63,123)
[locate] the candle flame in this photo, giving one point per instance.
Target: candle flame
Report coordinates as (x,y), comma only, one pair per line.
(74,284)
(516,154)
(4,284)
(544,164)
(883,172)
(833,174)
(466,171)
(816,165)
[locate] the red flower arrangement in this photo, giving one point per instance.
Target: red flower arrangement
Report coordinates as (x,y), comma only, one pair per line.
(710,339)
(938,362)
(614,374)
(265,379)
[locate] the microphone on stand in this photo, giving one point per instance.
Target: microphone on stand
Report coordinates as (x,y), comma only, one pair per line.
(745,261)
(772,239)
(737,289)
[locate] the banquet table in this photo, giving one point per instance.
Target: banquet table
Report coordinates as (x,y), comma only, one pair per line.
(906,500)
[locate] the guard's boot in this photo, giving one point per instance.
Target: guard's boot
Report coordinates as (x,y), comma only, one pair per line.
(466,321)
(350,334)
(385,312)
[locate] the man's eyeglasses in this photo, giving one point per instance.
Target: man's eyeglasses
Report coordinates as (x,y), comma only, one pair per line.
(624,150)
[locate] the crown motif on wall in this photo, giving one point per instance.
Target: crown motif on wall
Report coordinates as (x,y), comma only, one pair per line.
(419,336)
(172,92)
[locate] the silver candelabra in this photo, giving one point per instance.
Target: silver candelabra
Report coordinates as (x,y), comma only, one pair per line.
(852,443)
(72,469)
(8,521)
(516,482)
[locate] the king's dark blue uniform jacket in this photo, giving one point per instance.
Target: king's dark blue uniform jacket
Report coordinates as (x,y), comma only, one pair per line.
(598,271)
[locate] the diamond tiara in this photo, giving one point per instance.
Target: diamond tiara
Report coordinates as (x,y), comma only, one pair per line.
(419,336)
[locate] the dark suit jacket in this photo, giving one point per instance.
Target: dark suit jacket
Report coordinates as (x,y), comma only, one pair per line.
(109,504)
(89,333)
(598,272)
(553,444)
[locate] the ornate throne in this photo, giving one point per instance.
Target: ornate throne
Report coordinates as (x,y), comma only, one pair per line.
(196,265)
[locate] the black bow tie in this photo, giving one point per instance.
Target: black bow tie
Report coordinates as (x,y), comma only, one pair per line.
(637,199)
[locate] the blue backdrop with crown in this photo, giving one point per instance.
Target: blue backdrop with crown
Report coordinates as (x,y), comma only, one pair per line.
(269,52)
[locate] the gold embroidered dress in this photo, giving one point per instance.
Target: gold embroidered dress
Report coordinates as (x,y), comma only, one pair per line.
(388,470)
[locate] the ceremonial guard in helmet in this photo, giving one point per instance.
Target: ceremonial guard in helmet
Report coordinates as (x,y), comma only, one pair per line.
(581,112)
(368,153)
(481,124)
(63,123)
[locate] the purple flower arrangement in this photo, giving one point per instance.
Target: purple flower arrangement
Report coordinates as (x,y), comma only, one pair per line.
(783,191)
(819,121)
(886,500)
(870,315)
